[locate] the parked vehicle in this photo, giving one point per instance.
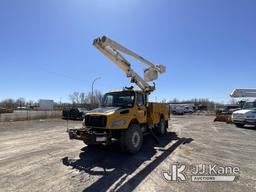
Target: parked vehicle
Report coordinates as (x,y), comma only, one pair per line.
(125,115)
(224,114)
(245,116)
(188,109)
(248,113)
(4,110)
(178,110)
(74,113)
(22,108)
(182,108)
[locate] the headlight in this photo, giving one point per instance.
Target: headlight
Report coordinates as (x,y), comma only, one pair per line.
(118,123)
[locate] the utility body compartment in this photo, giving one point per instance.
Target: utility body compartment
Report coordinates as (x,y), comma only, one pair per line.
(155,111)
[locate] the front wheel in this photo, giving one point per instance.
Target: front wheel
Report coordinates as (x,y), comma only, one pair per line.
(131,139)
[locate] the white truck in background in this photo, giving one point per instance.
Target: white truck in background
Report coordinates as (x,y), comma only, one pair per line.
(247,115)
(182,108)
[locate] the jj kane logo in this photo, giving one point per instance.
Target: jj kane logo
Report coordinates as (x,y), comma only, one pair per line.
(200,172)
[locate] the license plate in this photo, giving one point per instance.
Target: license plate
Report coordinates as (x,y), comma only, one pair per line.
(101,139)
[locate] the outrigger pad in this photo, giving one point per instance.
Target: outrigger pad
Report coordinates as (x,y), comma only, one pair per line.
(72,133)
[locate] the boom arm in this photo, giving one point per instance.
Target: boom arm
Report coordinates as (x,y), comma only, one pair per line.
(111,49)
(243,93)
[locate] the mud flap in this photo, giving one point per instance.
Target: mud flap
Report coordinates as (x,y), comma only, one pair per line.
(72,133)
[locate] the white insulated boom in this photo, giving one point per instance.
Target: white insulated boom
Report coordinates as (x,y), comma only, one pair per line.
(112,50)
(243,93)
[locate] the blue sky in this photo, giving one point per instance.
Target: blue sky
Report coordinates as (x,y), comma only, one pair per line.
(208,46)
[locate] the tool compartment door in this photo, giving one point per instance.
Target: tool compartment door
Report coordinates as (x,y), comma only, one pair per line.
(154,112)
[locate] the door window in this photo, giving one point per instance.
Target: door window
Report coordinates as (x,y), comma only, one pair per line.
(140,99)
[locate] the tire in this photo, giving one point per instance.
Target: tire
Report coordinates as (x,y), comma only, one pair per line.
(160,129)
(131,139)
(240,125)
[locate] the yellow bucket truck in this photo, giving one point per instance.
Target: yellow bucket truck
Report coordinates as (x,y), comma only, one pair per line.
(125,115)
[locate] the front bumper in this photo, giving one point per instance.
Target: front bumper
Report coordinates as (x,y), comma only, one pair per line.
(89,136)
(238,121)
(245,121)
(250,121)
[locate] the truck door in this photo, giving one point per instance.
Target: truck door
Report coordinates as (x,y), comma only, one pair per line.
(141,108)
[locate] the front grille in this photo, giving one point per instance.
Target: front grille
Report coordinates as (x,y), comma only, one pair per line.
(95,121)
(238,116)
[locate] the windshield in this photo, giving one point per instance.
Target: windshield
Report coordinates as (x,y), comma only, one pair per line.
(250,105)
(118,99)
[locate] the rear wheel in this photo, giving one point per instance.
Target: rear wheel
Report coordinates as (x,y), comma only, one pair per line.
(160,129)
(131,139)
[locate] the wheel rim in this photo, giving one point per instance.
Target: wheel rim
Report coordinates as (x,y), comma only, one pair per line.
(135,139)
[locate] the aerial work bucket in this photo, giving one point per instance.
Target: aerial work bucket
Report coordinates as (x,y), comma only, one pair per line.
(151,73)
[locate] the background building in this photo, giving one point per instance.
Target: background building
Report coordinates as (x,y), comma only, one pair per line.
(45,105)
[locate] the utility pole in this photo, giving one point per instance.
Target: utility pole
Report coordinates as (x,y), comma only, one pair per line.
(92,100)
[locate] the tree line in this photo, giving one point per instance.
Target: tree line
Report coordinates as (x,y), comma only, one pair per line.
(89,100)
(76,99)
(82,97)
(13,104)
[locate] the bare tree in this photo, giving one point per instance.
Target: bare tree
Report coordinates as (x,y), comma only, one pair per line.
(97,96)
(75,97)
(86,98)
(82,97)
(164,100)
(175,100)
(8,103)
(20,102)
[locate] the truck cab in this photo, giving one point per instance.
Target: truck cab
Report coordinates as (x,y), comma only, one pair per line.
(124,115)
(245,116)
(118,109)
